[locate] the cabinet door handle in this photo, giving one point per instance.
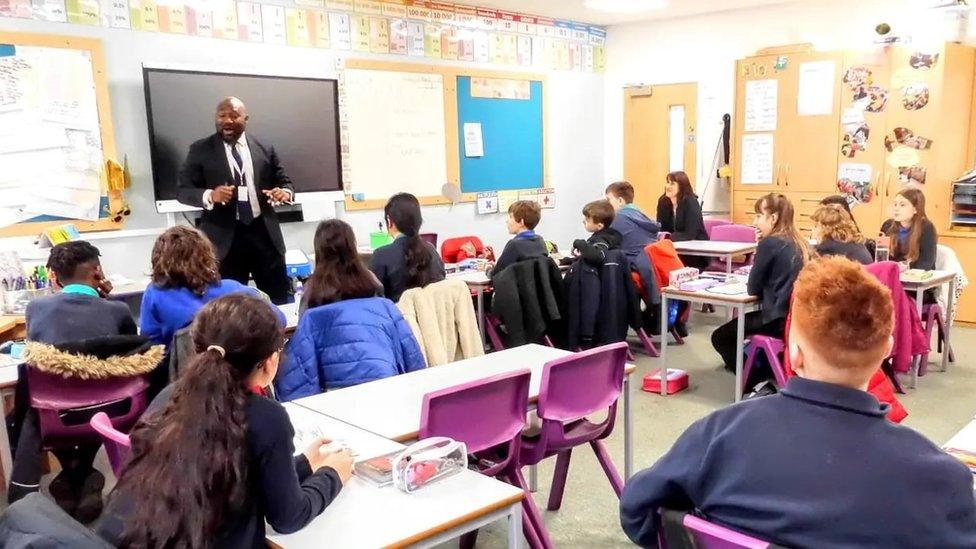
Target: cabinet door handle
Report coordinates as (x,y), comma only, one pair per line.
(786,178)
(887,185)
(776,174)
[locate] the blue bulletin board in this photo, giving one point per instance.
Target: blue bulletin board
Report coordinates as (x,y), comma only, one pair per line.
(513,137)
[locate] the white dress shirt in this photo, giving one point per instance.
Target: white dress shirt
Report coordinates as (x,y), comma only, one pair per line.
(247,176)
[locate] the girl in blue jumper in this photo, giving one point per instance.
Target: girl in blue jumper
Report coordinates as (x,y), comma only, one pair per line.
(185,277)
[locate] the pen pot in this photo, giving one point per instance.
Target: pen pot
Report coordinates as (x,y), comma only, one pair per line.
(15,301)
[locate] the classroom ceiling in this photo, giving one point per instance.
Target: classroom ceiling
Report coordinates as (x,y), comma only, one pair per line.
(576,10)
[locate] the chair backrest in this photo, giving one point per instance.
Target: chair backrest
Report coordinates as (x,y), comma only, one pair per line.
(582,383)
(733,233)
(180,352)
(712,223)
(65,405)
(664,258)
(117,444)
(482,414)
(431,238)
(451,247)
(708,535)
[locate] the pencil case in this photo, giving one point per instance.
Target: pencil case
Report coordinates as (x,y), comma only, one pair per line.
(427,461)
(15,301)
(677,381)
(684,274)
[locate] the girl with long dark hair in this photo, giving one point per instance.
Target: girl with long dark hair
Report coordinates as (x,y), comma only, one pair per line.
(409,262)
(212,459)
(339,272)
(780,256)
(912,236)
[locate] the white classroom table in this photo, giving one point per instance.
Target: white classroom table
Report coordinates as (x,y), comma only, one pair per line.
(715,248)
(937,279)
(743,303)
(965,439)
(365,516)
(390,407)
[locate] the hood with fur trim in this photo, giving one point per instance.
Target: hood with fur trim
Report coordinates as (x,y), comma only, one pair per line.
(51,360)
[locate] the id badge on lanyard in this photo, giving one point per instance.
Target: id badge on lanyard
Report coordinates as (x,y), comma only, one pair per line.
(242,188)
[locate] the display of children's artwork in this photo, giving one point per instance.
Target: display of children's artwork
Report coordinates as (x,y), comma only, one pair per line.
(906,137)
(854,182)
(913,176)
(855,139)
(856,77)
(923,61)
(915,96)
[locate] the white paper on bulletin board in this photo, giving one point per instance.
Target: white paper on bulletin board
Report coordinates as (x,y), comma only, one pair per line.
(816,89)
(757,159)
(397,141)
(761,101)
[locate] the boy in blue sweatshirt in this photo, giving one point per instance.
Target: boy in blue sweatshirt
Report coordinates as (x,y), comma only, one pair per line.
(523,217)
(819,464)
(636,229)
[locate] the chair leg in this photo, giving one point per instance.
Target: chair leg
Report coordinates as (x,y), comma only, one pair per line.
(532,511)
(630,355)
(604,457)
(468,540)
(649,347)
(559,480)
(496,339)
(747,365)
(547,341)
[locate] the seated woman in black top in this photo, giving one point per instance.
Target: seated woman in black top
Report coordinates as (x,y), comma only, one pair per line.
(836,234)
(214,461)
(408,262)
(679,213)
(780,256)
(912,237)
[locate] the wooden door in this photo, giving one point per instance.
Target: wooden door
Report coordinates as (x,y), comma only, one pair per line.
(659,137)
(864,77)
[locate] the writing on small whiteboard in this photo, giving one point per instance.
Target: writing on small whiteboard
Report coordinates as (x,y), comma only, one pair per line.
(474,145)
(761,101)
(757,159)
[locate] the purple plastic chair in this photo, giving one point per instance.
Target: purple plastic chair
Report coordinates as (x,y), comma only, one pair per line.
(934,317)
(573,387)
(492,329)
(65,405)
(708,535)
(488,415)
(771,347)
(731,233)
(712,223)
(117,444)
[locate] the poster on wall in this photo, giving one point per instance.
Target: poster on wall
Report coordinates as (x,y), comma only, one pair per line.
(761,102)
(816,89)
(915,95)
(855,139)
(854,182)
(757,159)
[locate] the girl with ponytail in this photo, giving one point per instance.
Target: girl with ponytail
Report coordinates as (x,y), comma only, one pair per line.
(780,256)
(409,262)
(212,459)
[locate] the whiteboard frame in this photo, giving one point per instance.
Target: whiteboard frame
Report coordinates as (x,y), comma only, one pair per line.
(450,75)
(106,129)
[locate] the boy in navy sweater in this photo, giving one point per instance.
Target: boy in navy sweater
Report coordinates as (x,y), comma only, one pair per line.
(636,229)
(597,217)
(523,217)
(816,465)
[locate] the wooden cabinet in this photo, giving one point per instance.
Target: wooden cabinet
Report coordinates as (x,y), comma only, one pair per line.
(917,112)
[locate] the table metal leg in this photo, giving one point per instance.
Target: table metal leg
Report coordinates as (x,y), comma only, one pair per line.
(917,361)
(628,431)
(533,478)
(481,313)
(947,320)
(740,330)
(6,460)
(664,345)
(515,526)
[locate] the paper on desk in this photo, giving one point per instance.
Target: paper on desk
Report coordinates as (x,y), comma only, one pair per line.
(317,206)
(310,426)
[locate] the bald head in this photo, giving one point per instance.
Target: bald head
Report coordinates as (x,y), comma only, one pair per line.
(231,119)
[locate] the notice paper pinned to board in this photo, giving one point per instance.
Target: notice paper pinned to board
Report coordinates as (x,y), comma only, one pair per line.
(474,144)
(816,89)
(761,103)
(757,159)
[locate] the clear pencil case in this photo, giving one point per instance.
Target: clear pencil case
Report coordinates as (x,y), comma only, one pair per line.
(428,461)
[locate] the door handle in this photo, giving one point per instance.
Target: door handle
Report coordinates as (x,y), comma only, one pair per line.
(777,175)
(786,179)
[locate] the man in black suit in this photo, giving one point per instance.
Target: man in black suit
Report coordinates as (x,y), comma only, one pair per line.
(238,181)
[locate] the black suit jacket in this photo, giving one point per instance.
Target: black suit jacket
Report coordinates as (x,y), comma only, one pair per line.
(206,167)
